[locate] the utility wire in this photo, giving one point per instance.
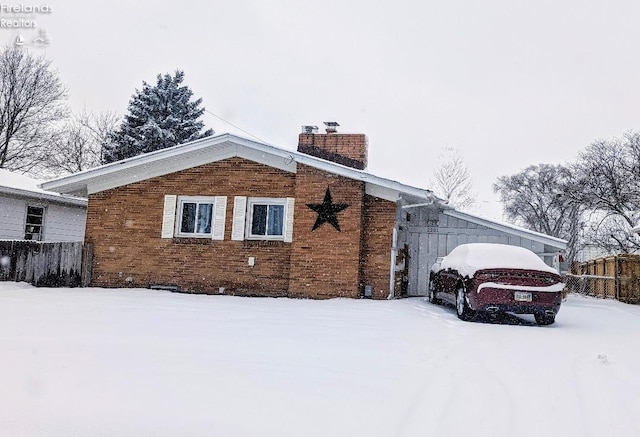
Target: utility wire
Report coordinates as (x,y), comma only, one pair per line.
(237,127)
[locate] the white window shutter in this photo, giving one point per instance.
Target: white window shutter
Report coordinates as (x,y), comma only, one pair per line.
(288,223)
(219,217)
(169,216)
(239,217)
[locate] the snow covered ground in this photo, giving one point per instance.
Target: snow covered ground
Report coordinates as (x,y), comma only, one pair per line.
(95,362)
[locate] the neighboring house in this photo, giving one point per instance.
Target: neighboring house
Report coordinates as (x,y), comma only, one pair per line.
(591,251)
(225,214)
(30,213)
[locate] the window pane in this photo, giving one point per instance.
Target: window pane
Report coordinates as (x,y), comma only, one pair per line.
(34,210)
(204,218)
(34,219)
(33,226)
(259,220)
(188,218)
(36,233)
(275,220)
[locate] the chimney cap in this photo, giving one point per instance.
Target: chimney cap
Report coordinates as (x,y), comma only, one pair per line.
(332,126)
(309,129)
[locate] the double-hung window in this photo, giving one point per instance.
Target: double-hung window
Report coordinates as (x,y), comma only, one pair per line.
(201,217)
(266,219)
(34,223)
(195,217)
(263,218)
(254,218)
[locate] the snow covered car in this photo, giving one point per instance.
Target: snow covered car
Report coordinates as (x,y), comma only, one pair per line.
(497,278)
(436,265)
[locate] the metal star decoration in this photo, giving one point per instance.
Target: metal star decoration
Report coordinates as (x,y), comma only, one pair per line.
(327,211)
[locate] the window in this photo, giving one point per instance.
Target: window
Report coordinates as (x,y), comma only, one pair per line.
(266,218)
(195,218)
(34,222)
(259,218)
(201,217)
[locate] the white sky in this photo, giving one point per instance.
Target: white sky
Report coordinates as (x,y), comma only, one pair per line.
(508,83)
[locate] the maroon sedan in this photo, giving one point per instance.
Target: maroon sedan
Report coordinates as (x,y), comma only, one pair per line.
(497,278)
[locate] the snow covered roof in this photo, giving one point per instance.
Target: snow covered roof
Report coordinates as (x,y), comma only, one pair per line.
(555,242)
(217,148)
(467,259)
(224,146)
(636,229)
(23,186)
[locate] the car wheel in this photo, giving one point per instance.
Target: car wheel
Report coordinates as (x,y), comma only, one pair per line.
(544,320)
(432,294)
(462,307)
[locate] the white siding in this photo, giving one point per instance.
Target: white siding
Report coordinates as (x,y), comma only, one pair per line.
(61,222)
(64,223)
(431,235)
(12,216)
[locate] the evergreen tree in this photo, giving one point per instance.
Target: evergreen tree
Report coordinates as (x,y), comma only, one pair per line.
(159,116)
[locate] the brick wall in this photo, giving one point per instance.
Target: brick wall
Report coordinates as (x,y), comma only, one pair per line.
(346,149)
(377,235)
(124,225)
(325,262)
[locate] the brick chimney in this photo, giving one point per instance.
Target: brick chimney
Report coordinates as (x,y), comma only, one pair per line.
(345,149)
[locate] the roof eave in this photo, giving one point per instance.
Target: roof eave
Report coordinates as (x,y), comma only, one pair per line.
(79,183)
(512,229)
(51,197)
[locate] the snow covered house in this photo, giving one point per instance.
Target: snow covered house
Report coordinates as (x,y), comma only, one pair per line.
(30,213)
(225,214)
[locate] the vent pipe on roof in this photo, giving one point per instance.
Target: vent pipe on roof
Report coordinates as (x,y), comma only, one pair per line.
(332,126)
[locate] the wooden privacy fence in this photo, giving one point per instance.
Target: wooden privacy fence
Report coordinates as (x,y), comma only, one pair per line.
(615,277)
(46,264)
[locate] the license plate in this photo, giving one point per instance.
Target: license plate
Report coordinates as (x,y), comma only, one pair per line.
(522,296)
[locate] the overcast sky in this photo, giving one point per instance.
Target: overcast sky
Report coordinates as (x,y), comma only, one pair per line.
(509,83)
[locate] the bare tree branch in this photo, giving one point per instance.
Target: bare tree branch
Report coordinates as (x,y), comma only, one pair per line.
(78,144)
(608,173)
(31,101)
(452,180)
(540,198)
(598,195)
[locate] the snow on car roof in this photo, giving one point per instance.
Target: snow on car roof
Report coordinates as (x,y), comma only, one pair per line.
(467,259)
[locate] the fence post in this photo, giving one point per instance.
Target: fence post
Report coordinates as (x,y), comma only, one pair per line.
(616,281)
(87,262)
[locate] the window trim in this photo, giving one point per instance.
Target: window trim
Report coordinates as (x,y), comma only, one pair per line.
(26,221)
(181,200)
(276,201)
